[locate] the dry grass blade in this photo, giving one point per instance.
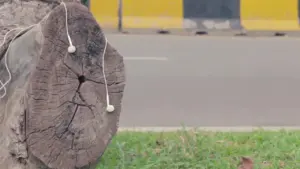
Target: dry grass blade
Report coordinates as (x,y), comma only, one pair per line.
(246,163)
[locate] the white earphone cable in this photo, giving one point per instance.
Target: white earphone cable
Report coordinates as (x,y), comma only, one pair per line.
(72,49)
(103,72)
(3,85)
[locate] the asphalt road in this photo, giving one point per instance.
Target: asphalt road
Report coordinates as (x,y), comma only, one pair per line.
(210,81)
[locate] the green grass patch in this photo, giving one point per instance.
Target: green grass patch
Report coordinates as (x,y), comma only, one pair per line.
(202,150)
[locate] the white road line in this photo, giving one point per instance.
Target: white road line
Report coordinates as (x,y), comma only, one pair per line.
(212,129)
(147,58)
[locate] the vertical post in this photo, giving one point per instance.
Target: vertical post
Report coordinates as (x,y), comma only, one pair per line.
(88,4)
(120,14)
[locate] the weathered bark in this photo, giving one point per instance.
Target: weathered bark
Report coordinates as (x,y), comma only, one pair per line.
(53,115)
(22,13)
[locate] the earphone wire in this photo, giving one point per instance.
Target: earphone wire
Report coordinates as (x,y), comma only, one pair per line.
(103,72)
(67,27)
(3,85)
(103,56)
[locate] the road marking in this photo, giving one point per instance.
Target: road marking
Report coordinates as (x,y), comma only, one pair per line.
(147,58)
(212,129)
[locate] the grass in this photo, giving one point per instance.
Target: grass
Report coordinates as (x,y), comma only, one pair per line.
(202,150)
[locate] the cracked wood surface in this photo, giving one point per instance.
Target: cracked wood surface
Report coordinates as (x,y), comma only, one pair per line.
(59,120)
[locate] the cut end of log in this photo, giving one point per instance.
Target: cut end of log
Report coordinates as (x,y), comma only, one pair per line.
(65,122)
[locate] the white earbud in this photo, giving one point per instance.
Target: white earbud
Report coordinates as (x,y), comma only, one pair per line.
(110,108)
(71,49)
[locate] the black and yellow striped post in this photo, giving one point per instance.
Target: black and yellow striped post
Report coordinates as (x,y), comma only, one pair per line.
(267,15)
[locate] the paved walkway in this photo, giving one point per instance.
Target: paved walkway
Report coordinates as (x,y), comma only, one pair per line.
(210,81)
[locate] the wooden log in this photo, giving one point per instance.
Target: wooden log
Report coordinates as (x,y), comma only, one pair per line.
(53,115)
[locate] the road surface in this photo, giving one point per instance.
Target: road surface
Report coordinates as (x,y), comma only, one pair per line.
(209,81)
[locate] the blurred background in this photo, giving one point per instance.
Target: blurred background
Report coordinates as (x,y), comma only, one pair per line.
(251,15)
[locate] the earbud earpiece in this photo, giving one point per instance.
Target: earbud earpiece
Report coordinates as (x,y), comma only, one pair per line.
(110,108)
(71,49)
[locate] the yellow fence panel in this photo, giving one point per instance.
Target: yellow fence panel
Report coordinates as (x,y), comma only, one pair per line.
(152,13)
(105,12)
(269,14)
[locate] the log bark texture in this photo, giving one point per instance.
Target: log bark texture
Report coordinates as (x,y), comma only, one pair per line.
(23,13)
(53,116)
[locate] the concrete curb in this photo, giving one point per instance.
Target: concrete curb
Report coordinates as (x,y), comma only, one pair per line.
(212,129)
(192,32)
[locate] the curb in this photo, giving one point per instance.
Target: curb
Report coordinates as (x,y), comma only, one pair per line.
(211,129)
(200,33)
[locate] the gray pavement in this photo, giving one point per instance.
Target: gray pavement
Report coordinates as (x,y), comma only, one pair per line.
(210,81)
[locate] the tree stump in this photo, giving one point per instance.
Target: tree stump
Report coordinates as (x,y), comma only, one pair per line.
(53,116)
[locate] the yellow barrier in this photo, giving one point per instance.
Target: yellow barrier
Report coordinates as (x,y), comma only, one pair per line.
(152,13)
(269,14)
(266,15)
(105,12)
